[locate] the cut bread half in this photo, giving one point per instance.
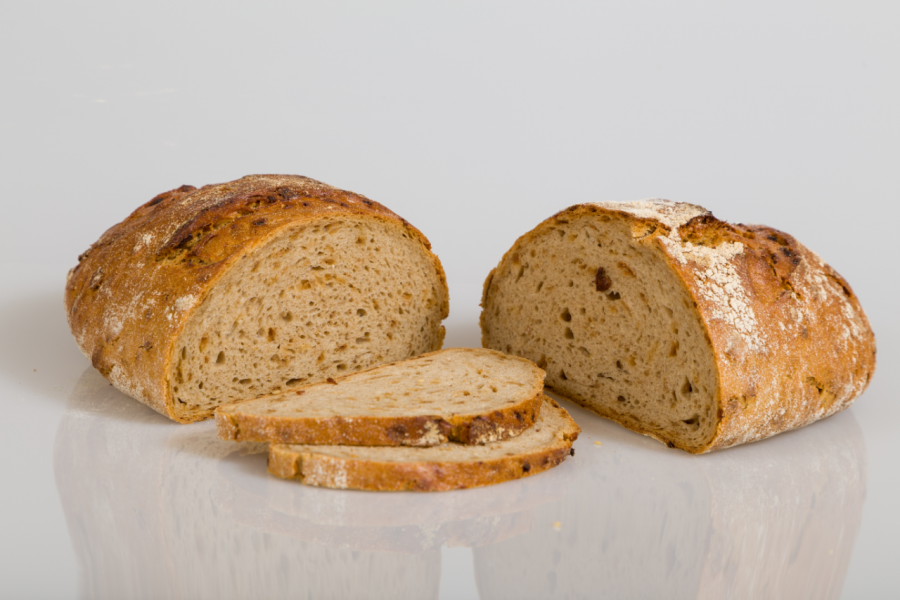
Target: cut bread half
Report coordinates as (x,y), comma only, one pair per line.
(236,290)
(694,331)
(439,468)
(465,395)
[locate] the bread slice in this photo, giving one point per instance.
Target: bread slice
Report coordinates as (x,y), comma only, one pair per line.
(466,395)
(446,467)
(236,290)
(679,326)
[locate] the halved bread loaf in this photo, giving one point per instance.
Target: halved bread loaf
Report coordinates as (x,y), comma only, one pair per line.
(446,467)
(470,396)
(207,296)
(679,326)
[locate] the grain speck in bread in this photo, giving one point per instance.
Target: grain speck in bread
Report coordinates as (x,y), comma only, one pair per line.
(438,468)
(465,395)
(694,331)
(235,290)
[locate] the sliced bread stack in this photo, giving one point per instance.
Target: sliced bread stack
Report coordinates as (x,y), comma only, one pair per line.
(451,419)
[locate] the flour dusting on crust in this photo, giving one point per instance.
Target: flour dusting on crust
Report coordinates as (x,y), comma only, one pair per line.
(325,471)
(717,278)
(671,214)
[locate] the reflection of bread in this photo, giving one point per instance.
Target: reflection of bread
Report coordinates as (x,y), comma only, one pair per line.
(411,539)
(464,395)
(437,468)
(682,327)
(371,509)
(791,514)
(236,290)
(149,517)
(631,530)
(774,520)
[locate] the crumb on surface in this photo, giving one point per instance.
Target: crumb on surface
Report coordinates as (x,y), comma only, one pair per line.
(557,525)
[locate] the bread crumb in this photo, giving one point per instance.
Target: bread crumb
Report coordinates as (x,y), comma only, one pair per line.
(557,525)
(597,443)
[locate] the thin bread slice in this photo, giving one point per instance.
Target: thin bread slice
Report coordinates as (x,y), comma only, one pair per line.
(439,468)
(465,395)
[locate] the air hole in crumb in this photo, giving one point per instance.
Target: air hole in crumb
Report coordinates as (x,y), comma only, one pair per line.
(465,393)
(569,334)
(543,362)
(621,398)
(203,342)
(687,388)
(287,317)
(540,285)
(566,316)
(292,382)
(342,367)
(244,381)
(619,364)
(673,350)
(613,295)
(271,335)
(220,359)
(361,312)
(562,375)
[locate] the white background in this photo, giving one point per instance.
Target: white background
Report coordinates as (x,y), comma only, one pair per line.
(474,121)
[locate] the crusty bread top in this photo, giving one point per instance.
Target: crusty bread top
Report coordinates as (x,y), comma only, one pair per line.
(791,341)
(131,292)
(445,467)
(467,395)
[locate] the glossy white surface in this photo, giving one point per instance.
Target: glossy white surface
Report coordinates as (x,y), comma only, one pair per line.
(474,122)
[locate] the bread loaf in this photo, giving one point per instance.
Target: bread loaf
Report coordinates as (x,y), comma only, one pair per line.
(211,295)
(438,468)
(680,326)
(465,395)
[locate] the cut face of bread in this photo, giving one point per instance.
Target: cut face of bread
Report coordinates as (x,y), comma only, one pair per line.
(320,300)
(465,395)
(438,468)
(611,323)
(697,332)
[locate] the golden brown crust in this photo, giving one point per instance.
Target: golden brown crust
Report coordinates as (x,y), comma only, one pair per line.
(132,292)
(313,468)
(372,430)
(791,342)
